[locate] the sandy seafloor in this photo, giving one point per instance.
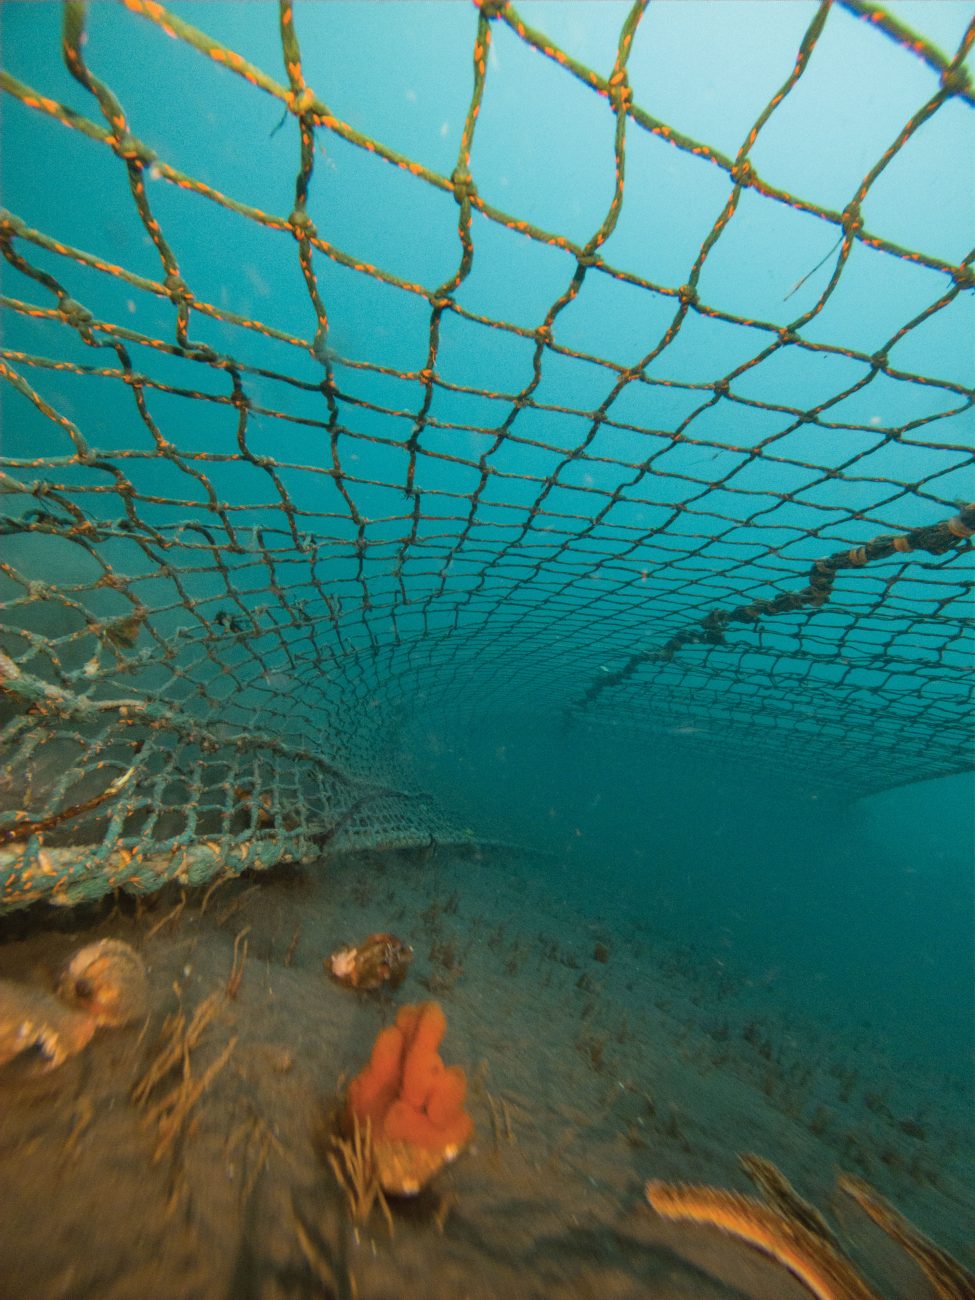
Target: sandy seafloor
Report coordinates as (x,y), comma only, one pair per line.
(587,1078)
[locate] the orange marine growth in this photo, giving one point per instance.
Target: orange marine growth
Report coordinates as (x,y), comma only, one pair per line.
(413,1103)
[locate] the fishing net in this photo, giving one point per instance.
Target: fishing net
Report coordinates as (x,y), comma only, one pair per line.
(216,657)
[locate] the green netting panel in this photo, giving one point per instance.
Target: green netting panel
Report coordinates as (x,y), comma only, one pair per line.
(227,622)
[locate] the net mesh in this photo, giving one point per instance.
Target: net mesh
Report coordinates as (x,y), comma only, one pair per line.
(196,681)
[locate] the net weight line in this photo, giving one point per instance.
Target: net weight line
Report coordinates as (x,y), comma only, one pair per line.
(935,539)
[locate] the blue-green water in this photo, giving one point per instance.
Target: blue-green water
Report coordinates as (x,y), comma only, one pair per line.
(864,910)
(717,800)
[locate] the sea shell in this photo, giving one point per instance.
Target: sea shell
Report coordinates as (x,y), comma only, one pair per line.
(107,980)
(379,959)
(32,1018)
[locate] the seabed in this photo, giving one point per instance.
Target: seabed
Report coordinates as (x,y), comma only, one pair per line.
(187,1154)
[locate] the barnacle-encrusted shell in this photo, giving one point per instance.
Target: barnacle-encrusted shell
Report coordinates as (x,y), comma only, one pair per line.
(379,959)
(107,980)
(32,1018)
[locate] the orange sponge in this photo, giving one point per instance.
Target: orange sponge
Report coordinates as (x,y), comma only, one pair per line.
(415,1104)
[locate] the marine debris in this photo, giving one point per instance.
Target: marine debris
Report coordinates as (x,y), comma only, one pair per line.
(413,1102)
(379,959)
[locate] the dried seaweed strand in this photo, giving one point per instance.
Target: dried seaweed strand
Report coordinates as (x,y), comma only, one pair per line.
(237,968)
(827,1274)
(212,888)
(292,946)
(170,916)
(950,1279)
(354,1165)
(177,1040)
(322,1269)
(784,1198)
(171,1112)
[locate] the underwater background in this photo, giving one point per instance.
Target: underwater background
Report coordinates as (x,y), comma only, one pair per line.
(404,508)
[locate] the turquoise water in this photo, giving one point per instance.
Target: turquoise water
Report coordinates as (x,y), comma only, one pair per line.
(794,804)
(862,911)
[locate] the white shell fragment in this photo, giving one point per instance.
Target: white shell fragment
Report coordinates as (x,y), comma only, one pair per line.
(343,963)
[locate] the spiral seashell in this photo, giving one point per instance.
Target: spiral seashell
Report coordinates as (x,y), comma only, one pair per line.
(107,980)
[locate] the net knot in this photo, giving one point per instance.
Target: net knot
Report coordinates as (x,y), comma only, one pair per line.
(687,295)
(176,287)
(722,387)
(788,335)
(74,313)
(963,276)
(464,187)
(620,92)
(492,8)
(543,335)
(852,220)
(956,81)
(302,226)
(879,361)
(742,173)
(301,101)
(131,149)
(587,257)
